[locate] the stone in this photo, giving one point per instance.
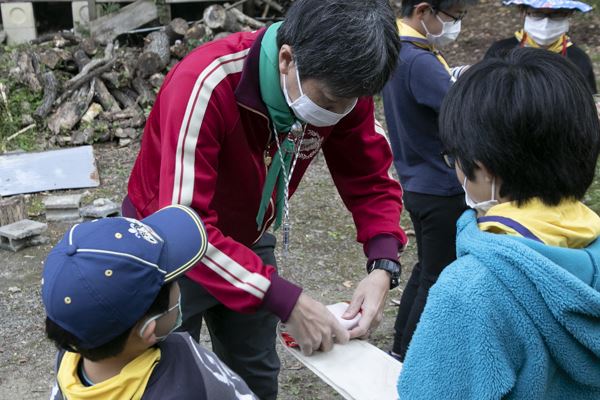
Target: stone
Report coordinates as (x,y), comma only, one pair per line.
(19,22)
(23,229)
(22,234)
(81,15)
(62,201)
(101,208)
(63,208)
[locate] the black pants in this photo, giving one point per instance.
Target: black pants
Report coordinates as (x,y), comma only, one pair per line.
(434,219)
(245,342)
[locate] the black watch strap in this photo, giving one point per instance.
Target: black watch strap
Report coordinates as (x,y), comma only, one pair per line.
(393,267)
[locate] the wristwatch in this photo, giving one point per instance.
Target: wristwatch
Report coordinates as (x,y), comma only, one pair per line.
(390,266)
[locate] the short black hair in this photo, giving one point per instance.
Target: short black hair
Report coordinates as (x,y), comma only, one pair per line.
(530,119)
(408,6)
(350,45)
(65,340)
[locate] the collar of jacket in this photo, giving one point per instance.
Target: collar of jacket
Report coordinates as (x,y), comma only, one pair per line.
(247,92)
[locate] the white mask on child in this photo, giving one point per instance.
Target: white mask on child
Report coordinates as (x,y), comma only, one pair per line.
(449,33)
(545,31)
(483,206)
(176,326)
(306,110)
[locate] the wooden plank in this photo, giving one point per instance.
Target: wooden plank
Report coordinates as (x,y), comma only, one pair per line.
(92,12)
(132,16)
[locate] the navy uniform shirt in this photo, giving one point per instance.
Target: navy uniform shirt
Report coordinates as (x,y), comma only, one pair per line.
(186,371)
(412,101)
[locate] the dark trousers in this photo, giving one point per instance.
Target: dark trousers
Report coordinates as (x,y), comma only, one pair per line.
(434,220)
(245,342)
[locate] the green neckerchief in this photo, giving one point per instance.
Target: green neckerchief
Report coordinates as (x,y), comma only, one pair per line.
(270,81)
(283,118)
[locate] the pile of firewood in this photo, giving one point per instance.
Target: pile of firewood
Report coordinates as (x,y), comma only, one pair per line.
(95,93)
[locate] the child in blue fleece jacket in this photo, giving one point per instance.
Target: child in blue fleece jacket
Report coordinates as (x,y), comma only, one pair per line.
(517,315)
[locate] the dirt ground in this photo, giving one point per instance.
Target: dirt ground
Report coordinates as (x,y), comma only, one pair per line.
(325,259)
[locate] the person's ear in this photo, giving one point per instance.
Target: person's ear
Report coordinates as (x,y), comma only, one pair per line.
(421,9)
(286,57)
(485,172)
(147,333)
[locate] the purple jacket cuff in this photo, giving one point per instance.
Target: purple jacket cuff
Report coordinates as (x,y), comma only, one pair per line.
(383,247)
(281,297)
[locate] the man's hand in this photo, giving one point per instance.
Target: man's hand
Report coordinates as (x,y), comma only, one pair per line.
(369,299)
(314,327)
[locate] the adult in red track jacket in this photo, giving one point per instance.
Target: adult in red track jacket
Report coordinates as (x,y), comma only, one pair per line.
(210,140)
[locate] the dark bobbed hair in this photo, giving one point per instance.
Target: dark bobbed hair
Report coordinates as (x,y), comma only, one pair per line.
(529,118)
(407,7)
(350,45)
(65,340)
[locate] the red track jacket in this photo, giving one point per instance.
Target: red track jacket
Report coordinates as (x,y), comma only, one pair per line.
(204,146)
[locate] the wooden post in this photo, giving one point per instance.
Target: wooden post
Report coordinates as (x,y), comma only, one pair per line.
(92,12)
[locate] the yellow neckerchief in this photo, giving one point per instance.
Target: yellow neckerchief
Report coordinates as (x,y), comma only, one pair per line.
(559,46)
(409,34)
(571,224)
(129,384)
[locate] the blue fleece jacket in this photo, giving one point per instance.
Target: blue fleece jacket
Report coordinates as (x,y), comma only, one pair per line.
(510,318)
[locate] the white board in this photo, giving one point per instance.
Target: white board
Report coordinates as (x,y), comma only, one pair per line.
(49,170)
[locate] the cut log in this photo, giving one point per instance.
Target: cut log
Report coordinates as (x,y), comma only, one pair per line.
(156,54)
(217,17)
(146,95)
(12,209)
(81,58)
(243,18)
(89,45)
(176,29)
(60,39)
(129,118)
(102,94)
(25,72)
(156,80)
(134,15)
(179,50)
(111,77)
(108,102)
(70,112)
(50,58)
(123,98)
(50,92)
(198,31)
(92,112)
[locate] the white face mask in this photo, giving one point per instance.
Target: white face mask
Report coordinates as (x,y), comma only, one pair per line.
(545,31)
(306,110)
(483,206)
(449,33)
(178,321)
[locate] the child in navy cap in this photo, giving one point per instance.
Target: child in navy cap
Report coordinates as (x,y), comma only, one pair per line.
(112,301)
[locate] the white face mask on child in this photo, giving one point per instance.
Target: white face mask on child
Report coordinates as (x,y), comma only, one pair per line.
(308,111)
(449,33)
(483,206)
(178,321)
(545,31)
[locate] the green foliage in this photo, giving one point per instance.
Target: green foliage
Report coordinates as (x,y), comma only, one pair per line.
(11,113)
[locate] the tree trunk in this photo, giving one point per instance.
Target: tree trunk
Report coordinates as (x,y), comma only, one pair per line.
(70,112)
(216,17)
(145,94)
(50,92)
(176,29)
(12,209)
(156,54)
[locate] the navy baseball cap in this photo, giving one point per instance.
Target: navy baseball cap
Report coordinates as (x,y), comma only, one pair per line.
(102,277)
